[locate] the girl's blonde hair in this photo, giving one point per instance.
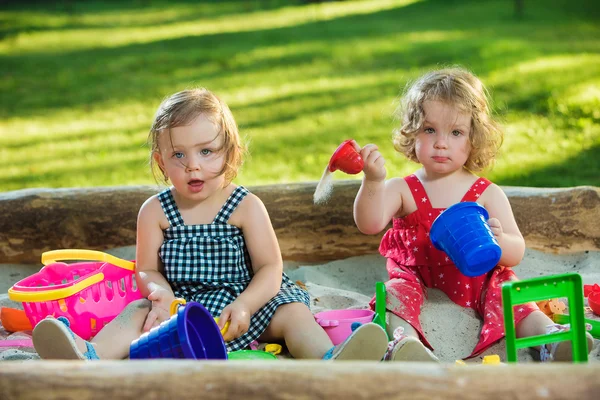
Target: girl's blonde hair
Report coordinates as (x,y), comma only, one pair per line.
(460,88)
(181,109)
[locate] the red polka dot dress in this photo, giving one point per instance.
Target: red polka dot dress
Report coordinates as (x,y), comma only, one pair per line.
(414,265)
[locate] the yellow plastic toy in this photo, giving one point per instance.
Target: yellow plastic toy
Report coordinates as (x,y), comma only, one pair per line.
(177,302)
(492,359)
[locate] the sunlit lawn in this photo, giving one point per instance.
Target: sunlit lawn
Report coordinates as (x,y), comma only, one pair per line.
(81,82)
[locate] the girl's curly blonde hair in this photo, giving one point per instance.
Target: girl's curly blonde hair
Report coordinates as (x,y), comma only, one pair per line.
(181,109)
(459,88)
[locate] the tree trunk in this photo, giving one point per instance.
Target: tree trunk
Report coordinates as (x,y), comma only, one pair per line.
(519,8)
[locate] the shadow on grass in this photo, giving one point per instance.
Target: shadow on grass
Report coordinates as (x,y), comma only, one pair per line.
(84,176)
(396,42)
(280,110)
(581,169)
(46,82)
(159,12)
(57,139)
(290,107)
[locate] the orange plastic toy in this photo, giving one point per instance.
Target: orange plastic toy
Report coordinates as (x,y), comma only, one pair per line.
(14,320)
(551,307)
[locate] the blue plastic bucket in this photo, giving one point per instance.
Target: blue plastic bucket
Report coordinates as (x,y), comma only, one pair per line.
(462,232)
(190,333)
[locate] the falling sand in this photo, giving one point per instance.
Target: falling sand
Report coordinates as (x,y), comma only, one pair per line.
(324,188)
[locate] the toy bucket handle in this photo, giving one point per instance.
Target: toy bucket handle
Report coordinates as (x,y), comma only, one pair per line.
(175,305)
(50,257)
(181,302)
(326,323)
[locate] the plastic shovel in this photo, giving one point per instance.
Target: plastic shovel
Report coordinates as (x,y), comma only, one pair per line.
(380,301)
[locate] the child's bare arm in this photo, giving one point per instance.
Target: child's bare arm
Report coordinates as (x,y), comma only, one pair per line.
(376,203)
(252,217)
(377,200)
(151,281)
(264,252)
(503,225)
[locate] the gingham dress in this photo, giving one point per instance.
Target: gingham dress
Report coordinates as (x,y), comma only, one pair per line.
(210,264)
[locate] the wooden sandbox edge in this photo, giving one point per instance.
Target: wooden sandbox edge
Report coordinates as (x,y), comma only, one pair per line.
(169,379)
(36,220)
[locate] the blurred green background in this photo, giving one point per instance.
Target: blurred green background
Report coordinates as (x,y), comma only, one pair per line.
(81,82)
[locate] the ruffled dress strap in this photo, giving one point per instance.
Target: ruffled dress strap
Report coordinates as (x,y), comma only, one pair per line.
(169,207)
(418,192)
(476,190)
(407,242)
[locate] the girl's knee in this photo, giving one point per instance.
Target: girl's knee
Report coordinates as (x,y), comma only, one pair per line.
(288,315)
(292,310)
(141,304)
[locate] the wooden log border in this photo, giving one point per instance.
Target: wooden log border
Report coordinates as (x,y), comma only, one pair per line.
(248,380)
(36,220)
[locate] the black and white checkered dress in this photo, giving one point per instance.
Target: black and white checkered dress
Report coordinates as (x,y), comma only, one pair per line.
(210,264)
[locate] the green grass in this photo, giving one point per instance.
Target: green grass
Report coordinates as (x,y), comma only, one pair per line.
(81,82)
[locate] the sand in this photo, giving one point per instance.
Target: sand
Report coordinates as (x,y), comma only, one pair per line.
(324,188)
(452,330)
(350,283)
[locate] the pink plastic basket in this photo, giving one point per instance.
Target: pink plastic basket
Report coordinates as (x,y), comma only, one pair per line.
(90,294)
(338,323)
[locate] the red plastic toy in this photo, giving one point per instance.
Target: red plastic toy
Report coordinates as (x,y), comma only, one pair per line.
(346,159)
(589,289)
(592,292)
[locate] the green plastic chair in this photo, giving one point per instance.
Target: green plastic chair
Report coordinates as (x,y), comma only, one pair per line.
(544,288)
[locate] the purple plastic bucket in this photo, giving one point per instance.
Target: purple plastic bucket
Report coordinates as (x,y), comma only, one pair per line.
(462,232)
(190,333)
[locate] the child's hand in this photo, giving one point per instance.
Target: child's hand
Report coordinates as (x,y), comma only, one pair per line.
(495,226)
(161,304)
(239,316)
(374,162)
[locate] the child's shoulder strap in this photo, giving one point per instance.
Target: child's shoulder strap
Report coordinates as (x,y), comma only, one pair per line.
(230,205)
(169,207)
(418,192)
(476,189)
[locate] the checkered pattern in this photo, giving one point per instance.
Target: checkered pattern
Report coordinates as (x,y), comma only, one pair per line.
(210,264)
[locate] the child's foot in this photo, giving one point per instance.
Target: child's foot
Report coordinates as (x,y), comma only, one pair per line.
(561,351)
(368,342)
(408,348)
(53,339)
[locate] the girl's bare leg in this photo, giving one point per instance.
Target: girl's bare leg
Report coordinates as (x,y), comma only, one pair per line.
(409,348)
(535,324)
(54,340)
(394,321)
(295,324)
(113,341)
(304,338)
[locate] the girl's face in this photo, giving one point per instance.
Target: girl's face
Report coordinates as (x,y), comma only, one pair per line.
(442,144)
(191,158)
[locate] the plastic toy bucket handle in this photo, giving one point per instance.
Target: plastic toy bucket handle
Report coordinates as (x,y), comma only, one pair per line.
(50,257)
(175,305)
(181,302)
(54,294)
(326,323)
